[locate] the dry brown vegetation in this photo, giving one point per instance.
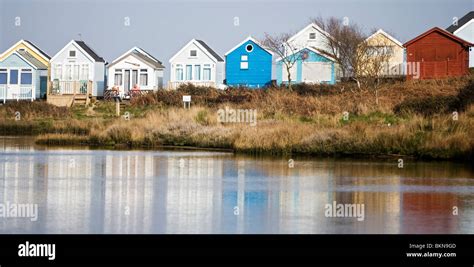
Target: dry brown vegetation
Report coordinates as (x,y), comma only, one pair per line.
(307,120)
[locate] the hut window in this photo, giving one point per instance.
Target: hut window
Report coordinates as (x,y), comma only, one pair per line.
(197,72)
(85,72)
(75,73)
(312,35)
(143,77)
(193,53)
(72,53)
(118,77)
(249,48)
(206,72)
(179,72)
(67,73)
(3,76)
(244,65)
(244,58)
(58,69)
(26,77)
(13,76)
(189,72)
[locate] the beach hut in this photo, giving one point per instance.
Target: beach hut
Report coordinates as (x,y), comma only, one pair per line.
(21,76)
(248,64)
(77,70)
(135,71)
(437,53)
(38,55)
(310,66)
(198,64)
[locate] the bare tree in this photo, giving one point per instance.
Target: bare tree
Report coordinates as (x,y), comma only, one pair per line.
(344,44)
(287,51)
(364,61)
(377,54)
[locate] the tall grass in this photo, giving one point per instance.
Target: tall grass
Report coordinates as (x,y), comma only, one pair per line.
(411,118)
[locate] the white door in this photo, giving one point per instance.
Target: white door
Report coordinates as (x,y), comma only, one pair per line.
(13,88)
(316,72)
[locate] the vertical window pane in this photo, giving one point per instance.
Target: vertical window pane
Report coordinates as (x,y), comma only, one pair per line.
(67,73)
(197,72)
(179,74)
(75,75)
(189,72)
(207,73)
(13,76)
(85,72)
(3,78)
(144,77)
(118,79)
(134,77)
(26,78)
(58,72)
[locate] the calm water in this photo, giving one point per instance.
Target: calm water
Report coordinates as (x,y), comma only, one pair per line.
(105,191)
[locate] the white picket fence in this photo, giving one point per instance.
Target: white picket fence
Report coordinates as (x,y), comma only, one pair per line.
(23,92)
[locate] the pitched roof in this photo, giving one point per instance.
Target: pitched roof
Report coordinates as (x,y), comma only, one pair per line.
(89,51)
(39,50)
(380,31)
(148,54)
(311,25)
(31,46)
(155,63)
(250,38)
(142,55)
(441,31)
(209,49)
(32,60)
(461,22)
(202,45)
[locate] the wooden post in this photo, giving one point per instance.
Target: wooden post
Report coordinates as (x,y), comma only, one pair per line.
(117,107)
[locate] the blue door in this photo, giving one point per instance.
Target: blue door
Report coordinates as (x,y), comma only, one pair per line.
(43,86)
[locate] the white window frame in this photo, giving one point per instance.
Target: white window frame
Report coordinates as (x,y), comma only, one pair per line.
(186,72)
(140,73)
(244,65)
(120,81)
(194,72)
(69,53)
(26,71)
(179,67)
(58,71)
(207,66)
(84,72)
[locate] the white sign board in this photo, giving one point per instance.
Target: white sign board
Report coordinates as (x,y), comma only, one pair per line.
(186,98)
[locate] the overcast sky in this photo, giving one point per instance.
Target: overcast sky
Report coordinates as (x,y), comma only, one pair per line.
(162,27)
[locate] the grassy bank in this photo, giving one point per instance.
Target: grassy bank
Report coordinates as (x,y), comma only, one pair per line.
(411,118)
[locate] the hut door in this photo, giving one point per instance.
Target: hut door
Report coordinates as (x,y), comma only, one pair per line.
(126,81)
(14,83)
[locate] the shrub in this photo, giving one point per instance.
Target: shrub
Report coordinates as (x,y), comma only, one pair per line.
(428,106)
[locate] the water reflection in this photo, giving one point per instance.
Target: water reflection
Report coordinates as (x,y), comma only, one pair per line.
(100,191)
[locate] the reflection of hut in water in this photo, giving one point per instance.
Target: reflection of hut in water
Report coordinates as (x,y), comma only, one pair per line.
(128,198)
(377,186)
(430,213)
(193,202)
